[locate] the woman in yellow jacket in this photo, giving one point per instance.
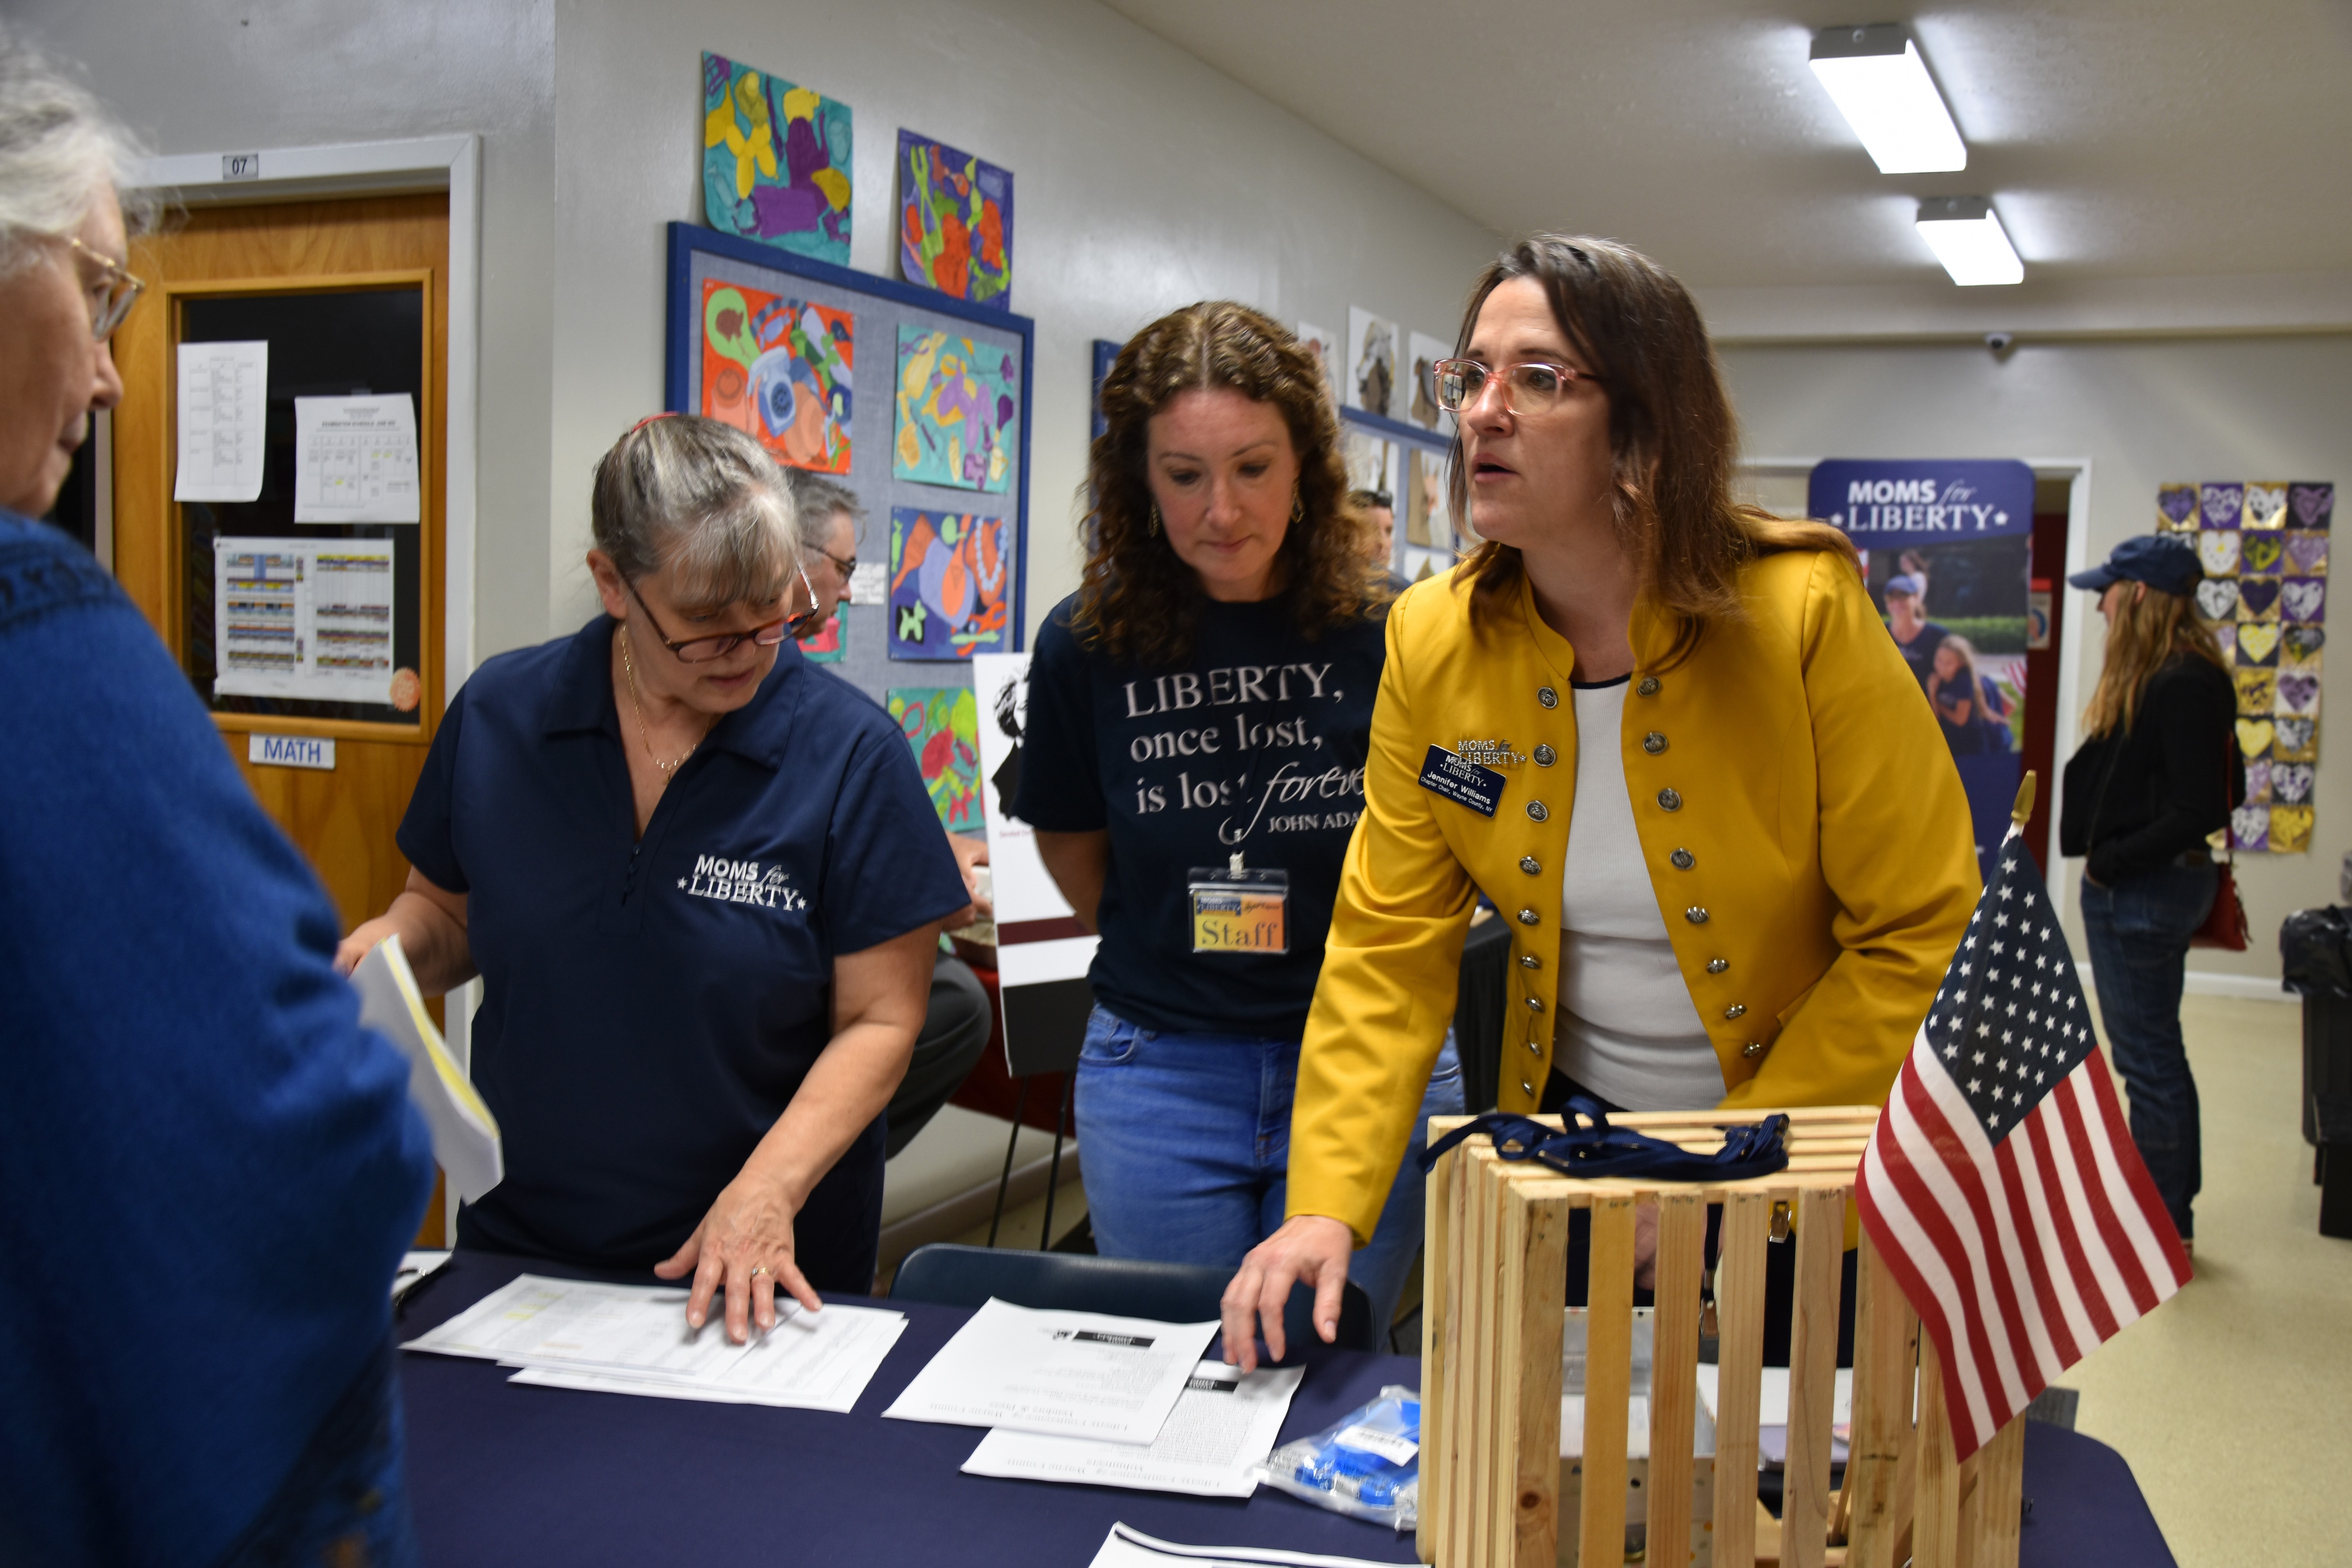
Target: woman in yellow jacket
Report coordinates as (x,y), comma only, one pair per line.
(1742,889)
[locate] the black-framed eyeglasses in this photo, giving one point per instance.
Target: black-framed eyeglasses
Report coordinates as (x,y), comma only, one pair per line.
(112,296)
(846,568)
(1531,387)
(703,650)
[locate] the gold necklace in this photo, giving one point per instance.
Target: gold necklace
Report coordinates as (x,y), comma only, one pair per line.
(644,733)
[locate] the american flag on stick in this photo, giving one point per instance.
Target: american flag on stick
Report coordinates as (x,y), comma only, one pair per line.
(2001,1186)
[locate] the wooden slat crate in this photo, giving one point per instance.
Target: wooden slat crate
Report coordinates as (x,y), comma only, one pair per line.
(1493,1307)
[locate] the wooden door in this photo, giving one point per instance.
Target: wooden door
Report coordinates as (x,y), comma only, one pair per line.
(353,297)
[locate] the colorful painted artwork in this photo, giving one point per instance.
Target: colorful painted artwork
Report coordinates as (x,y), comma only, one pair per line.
(779,368)
(943,728)
(775,161)
(830,643)
(949,585)
(959,409)
(955,222)
(2262,545)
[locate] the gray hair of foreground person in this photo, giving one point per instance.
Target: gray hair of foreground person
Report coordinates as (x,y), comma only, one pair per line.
(703,499)
(59,152)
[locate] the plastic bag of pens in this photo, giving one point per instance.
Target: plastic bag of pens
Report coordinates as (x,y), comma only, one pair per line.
(1368,1463)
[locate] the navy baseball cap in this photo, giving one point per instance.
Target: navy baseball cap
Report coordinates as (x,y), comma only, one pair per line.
(1907,583)
(2162,561)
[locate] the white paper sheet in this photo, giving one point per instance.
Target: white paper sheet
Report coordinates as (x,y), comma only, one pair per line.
(355,460)
(303,617)
(632,1338)
(1223,1423)
(809,1360)
(1772,1411)
(870,584)
(1070,1374)
(465,1134)
(223,404)
(1127,1547)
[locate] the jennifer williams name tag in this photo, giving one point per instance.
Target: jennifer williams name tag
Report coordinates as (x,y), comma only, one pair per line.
(1464,783)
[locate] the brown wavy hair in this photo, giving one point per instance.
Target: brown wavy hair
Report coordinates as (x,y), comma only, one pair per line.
(1670,434)
(1138,602)
(2150,629)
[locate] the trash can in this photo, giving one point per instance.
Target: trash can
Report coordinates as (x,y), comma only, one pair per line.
(2316,950)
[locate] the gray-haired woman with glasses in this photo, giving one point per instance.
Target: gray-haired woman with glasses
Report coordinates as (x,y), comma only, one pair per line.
(703,887)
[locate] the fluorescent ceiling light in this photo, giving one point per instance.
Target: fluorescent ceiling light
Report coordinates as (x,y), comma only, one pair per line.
(1880,84)
(1968,238)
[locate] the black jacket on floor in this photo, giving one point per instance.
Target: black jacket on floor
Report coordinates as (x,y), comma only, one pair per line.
(2139,800)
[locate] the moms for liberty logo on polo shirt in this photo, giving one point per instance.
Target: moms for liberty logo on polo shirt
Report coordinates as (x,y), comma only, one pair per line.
(1239,743)
(743,882)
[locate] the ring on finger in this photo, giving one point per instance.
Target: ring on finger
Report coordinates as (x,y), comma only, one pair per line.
(759,1269)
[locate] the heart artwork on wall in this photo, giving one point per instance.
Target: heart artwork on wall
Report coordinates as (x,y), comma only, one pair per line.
(2261,555)
(2257,644)
(2290,829)
(2302,644)
(2304,598)
(2258,600)
(2257,690)
(2258,783)
(2217,552)
(2297,693)
(2223,504)
(2265,506)
(2176,508)
(2313,504)
(2308,551)
(2250,828)
(2297,741)
(2217,599)
(2291,783)
(2254,737)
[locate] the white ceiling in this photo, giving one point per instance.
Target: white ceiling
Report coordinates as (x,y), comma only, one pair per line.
(2157,151)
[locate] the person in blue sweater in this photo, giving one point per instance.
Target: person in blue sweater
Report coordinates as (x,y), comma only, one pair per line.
(208,1170)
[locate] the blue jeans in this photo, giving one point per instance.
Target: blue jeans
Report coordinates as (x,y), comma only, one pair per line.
(1187,1151)
(2138,932)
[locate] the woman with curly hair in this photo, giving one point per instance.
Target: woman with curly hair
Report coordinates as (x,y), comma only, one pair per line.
(1194,765)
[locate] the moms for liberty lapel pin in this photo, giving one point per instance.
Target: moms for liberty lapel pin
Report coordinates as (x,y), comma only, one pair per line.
(1489,753)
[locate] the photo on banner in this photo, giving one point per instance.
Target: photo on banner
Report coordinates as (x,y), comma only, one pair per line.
(1946,547)
(955,222)
(776,160)
(779,369)
(2262,545)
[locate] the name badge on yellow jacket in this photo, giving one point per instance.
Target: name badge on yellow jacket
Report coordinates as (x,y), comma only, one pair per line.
(1464,783)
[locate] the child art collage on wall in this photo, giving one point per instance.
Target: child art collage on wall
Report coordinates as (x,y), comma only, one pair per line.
(2263,544)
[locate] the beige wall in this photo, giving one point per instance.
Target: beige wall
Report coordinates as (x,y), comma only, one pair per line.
(2138,413)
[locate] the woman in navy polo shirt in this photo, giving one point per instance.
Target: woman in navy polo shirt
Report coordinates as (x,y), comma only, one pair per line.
(703,888)
(1204,700)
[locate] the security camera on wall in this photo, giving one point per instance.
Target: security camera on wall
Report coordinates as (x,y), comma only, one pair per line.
(2000,343)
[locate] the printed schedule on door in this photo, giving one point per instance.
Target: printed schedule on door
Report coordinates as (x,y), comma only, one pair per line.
(306,618)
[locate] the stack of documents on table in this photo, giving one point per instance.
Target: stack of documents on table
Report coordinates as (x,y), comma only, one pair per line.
(1772,1412)
(1104,1401)
(632,1338)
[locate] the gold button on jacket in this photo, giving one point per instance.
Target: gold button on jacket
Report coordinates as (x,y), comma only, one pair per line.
(1829,837)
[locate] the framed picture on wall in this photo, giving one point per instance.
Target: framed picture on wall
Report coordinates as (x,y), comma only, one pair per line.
(918,402)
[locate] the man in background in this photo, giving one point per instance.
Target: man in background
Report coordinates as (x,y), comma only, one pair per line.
(1378,508)
(957,1026)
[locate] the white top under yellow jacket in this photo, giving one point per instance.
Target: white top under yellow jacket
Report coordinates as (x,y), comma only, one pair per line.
(1803,823)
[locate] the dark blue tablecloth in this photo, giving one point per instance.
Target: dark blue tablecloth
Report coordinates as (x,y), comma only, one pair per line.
(502,1475)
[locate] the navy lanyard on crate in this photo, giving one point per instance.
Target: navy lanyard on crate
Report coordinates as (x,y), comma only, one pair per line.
(1755,1149)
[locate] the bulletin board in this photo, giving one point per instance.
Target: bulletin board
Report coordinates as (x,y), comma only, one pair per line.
(809,357)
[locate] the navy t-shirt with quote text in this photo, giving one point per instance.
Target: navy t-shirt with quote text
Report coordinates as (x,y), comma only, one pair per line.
(1256,744)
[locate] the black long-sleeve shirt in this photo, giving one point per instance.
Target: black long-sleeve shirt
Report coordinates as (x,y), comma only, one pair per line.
(2138,800)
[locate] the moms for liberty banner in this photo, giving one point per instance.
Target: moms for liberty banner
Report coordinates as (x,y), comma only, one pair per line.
(1946,545)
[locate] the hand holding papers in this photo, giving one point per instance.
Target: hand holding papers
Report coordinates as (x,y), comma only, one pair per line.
(632,1338)
(1224,1422)
(465,1134)
(1070,1374)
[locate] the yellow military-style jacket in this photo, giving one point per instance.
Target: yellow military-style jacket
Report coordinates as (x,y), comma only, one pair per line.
(1803,824)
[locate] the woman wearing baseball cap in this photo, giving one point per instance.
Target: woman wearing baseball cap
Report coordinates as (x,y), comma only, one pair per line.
(2157,775)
